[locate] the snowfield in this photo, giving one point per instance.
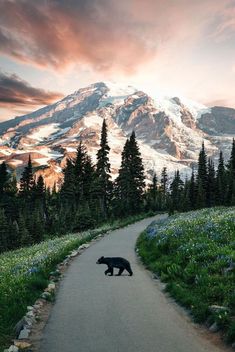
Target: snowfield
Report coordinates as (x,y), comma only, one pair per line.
(169,130)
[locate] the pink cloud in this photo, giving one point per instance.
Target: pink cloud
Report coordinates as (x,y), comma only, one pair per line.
(107,34)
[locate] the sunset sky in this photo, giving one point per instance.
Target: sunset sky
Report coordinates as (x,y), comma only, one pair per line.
(50,48)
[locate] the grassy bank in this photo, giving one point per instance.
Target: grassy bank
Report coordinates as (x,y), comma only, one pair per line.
(24,273)
(194,253)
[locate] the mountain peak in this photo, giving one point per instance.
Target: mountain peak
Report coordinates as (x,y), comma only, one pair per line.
(169,130)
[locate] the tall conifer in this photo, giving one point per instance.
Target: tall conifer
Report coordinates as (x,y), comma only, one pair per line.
(192,191)
(230,194)
(3,178)
(27,181)
(211,184)
(221,182)
(202,178)
(176,188)
(104,184)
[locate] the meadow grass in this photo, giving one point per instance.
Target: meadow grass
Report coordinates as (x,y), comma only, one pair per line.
(194,253)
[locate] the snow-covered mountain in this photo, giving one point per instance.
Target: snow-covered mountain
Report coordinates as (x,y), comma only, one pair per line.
(170,130)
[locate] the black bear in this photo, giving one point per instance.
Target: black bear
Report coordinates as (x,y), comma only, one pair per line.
(115,262)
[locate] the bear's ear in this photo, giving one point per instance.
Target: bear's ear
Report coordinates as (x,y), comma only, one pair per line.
(102,257)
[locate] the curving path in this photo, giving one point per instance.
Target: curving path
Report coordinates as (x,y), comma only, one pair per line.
(98,313)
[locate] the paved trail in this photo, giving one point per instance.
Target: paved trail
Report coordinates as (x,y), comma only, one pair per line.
(98,313)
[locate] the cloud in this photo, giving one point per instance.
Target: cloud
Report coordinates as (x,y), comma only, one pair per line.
(106,34)
(16,93)
(57,33)
(226,23)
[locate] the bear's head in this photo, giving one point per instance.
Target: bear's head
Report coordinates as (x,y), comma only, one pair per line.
(100,260)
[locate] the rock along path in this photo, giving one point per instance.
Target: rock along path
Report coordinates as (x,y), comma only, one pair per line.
(98,313)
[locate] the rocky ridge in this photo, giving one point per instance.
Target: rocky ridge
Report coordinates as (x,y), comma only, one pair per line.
(169,130)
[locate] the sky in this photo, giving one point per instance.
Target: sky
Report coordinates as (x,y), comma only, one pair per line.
(51,48)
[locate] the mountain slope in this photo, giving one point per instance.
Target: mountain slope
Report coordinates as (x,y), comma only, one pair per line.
(169,130)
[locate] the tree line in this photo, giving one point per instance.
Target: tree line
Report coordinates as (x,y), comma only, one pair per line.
(88,197)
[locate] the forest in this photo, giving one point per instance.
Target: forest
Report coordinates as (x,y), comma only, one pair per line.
(87,198)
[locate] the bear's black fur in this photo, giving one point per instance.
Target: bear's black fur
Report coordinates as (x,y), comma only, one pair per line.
(115,262)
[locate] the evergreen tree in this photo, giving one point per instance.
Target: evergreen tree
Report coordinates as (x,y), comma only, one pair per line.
(25,237)
(27,181)
(202,181)
(185,198)
(40,188)
(52,209)
(10,201)
(230,196)
(201,195)
(176,188)
(11,186)
(192,191)
(220,182)
(231,164)
(130,182)
(163,189)
(88,183)
(80,172)
(152,194)
(38,228)
(39,194)
(104,185)
(211,184)
(3,178)
(137,175)
(122,184)
(13,235)
(68,187)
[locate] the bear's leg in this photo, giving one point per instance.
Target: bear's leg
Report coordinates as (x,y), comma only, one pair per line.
(111,271)
(128,268)
(120,271)
(107,271)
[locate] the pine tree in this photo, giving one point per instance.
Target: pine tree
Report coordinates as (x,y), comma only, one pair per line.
(68,187)
(185,198)
(202,178)
(13,235)
(10,201)
(152,194)
(38,228)
(89,176)
(79,172)
(122,184)
(192,191)
(211,184)
(39,195)
(104,185)
(25,237)
(231,164)
(137,175)
(220,182)
(230,194)
(130,181)
(163,189)
(40,188)
(176,188)
(3,179)
(27,181)
(11,186)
